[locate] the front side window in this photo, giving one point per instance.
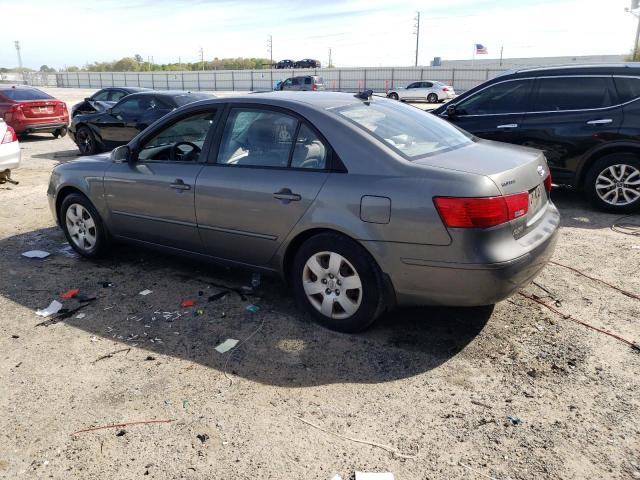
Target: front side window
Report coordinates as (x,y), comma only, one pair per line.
(504,97)
(101,96)
(117,95)
(628,88)
(571,93)
(137,105)
(410,131)
(414,85)
(180,142)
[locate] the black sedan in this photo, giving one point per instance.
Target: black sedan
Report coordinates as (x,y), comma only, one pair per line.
(95,132)
(103,99)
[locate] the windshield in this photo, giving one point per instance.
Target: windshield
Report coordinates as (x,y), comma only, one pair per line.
(410,131)
(25,94)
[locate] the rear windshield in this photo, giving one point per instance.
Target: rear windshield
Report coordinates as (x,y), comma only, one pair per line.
(25,94)
(410,131)
(192,97)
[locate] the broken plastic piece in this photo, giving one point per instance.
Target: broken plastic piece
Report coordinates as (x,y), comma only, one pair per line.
(218,296)
(36,254)
(227,345)
(54,307)
(145,292)
(253,308)
(514,420)
(186,303)
(70,293)
(374,476)
(80,316)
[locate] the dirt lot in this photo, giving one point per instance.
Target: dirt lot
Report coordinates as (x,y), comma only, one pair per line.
(435,386)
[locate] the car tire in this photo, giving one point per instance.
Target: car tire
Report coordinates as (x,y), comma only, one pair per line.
(432,98)
(323,269)
(83,226)
(86,141)
(61,132)
(613,183)
(393,96)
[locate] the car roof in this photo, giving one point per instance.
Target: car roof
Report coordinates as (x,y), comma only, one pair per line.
(164,93)
(632,68)
(317,100)
(7,86)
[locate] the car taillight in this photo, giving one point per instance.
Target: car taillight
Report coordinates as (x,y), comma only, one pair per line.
(445,89)
(10,136)
(481,212)
(547,183)
(314,87)
(13,110)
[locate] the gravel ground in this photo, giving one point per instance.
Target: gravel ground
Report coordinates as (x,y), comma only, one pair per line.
(514,392)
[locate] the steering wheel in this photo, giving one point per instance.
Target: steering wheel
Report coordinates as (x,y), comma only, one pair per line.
(311,163)
(195,149)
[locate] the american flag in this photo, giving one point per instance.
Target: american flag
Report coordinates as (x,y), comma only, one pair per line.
(481,49)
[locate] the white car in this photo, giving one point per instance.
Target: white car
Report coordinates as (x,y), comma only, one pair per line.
(431,92)
(9,151)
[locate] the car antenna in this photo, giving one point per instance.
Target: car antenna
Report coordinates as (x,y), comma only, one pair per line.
(364,95)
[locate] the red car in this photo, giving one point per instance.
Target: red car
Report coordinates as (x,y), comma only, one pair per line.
(29,110)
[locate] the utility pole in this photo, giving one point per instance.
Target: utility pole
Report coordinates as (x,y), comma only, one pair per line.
(635,11)
(17,44)
(202,58)
(270,49)
(417,34)
(501,50)
(329,64)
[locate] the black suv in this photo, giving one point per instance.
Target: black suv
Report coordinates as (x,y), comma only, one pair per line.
(586,118)
(307,63)
(285,64)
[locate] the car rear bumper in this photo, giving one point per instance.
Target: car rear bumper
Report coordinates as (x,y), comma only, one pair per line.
(428,281)
(9,156)
(39,127)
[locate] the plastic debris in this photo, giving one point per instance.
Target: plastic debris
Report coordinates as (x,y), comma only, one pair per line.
(107,284)
(54,307)
(227,345)
(218,296)
(336,477)
(374,476)
(186,303)
(145,292)
(36,254)
(199,312)
(70,293)
(94,339)
(514,420)
(253,308)
(80,316)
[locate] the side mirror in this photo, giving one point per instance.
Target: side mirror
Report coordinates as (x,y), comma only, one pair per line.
(121,154)
(452,111)
(87,99)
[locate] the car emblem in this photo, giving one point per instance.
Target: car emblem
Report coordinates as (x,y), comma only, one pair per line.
(541,170)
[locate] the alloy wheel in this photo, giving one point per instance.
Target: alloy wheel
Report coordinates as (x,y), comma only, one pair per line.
(432,98)
(618,184)
(81,226)
(85,142)
(332,285)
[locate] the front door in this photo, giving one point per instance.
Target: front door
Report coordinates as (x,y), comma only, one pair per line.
(269,169)
(151,198)
(496,112)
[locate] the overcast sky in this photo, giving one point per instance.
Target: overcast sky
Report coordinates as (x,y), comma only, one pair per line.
(360,32)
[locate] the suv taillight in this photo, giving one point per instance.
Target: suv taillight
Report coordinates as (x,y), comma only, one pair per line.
(9,136)
(547,183)
(314,87)
(481,212)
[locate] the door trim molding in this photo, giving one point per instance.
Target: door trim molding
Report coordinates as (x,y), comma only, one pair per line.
(239,232)
(157,219)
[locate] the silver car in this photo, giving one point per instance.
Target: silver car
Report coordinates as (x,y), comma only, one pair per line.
(9,151)
(360,203)
(429,91)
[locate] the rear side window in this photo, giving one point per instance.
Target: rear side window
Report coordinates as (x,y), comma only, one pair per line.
(117,95)
(572,93)
(628,88)
(102,96)
(25,94)
(307,81)
(504,97)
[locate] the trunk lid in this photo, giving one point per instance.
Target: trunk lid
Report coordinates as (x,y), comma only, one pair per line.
(41,108)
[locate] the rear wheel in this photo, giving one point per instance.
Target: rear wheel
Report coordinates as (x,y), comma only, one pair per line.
(338,283)
(432,98)
(83,226)
(61,132)
(86,141)
(613,183)
(393,96)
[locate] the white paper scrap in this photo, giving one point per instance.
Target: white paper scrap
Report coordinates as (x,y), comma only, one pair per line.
(145,292)
(227,345)
(36,254)
(54,307)
(81,316)
(374,476)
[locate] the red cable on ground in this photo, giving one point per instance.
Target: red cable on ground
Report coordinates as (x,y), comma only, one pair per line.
(122,425)
(569,317)
(624,292)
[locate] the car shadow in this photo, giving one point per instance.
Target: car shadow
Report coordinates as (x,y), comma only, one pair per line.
(577,212)
(279,346)
(60,155)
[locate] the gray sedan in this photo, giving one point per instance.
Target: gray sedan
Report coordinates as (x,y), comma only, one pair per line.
(359,203)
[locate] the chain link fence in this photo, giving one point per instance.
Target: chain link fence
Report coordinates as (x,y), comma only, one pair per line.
(380,80)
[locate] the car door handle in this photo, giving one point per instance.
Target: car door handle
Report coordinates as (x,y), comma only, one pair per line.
(602,121)
(508,125)
(179,184)
(287,195)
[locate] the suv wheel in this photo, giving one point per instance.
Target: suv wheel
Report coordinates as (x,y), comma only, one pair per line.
(338,283)
(86,141)
(613,183)
(83,226)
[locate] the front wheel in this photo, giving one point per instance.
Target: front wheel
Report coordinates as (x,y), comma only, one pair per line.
(393,96)
(613,183)
(432,98)
(338,283)
(83,226)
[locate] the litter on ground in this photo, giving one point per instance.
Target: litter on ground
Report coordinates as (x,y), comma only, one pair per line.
(227,345)
(36,254)
(253,308)
(70,293)
(54,307)
(145,292)
(186,303)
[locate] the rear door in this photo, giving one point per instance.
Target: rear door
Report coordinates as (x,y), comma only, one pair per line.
(568,116)
(495,112)
(269,168)
(151,199)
